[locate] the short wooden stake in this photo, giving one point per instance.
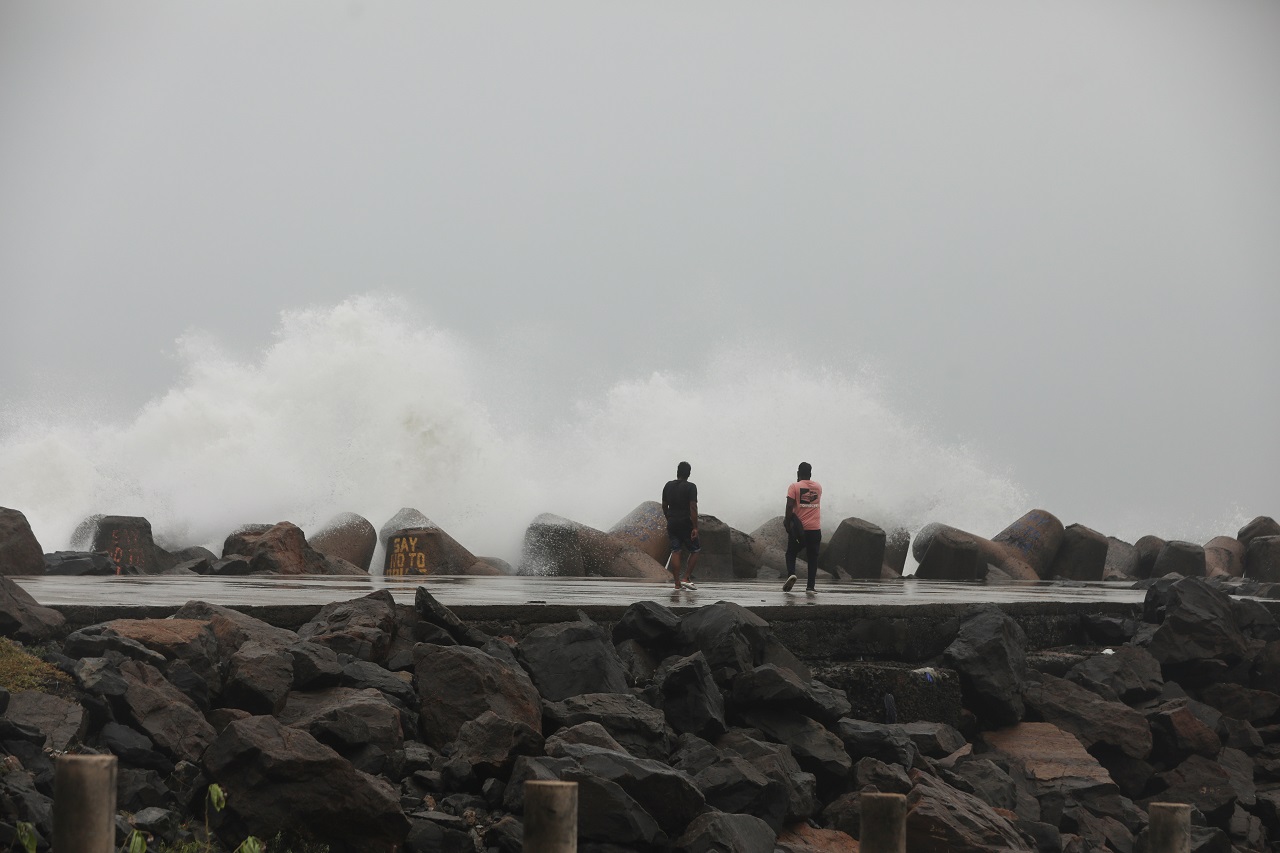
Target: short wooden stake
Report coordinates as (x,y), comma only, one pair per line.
(1170,828)
(884,823)
(550,817)
(84,804)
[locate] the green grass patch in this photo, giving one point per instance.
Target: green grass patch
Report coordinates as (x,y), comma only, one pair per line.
(21,670)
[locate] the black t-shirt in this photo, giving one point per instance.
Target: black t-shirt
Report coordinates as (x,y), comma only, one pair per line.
(677,495)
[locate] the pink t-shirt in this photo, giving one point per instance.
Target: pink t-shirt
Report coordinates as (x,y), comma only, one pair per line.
(808,497)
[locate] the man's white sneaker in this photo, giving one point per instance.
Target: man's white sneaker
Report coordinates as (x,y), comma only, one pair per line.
(791,581)
(689,585)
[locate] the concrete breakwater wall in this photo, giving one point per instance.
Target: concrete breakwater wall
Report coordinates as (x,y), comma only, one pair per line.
(818,634)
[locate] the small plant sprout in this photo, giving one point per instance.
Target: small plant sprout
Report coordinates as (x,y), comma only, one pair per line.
(27,836)
(136,842)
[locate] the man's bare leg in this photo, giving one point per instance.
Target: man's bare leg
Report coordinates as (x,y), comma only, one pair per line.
(675,566)
(693,561)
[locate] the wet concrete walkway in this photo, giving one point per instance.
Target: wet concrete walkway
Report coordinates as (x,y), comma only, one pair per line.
(165,591)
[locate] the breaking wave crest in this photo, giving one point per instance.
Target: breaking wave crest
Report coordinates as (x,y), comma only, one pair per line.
(361,407)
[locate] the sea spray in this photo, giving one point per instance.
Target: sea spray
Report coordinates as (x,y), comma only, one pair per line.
(364,407)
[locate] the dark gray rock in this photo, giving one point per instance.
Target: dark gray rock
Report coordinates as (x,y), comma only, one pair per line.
(989,653)
(364,628)
(985,780)
(78,564)
(491,744)
(459,683)
(1203,783)
(1258,707)
(1255,620)
(163,824)
(936,740)
(1128,675)
(730,783)
(715,832)
(138,789)
(730,638)
(776,687)
(668,795)
(133,748)
(60,721)
(430,836)
(399,691)
(691,700)
(775,761)
(259,679)
(888,743)
(352,722)
(886,778)
(817,750)
(1092,719)
(284,779)
(97,640)
(943,818)
(655,627)
(1107,629)
(23,618)
(572,658)
(1199,624)
(639,727)
(163,712)
(637,660)
(593,734)
(314,666)
(1180,728)
(433,612)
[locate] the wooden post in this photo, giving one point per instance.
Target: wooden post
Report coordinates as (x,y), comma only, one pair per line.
(884,823)
(1169,830)
(84,804)
(550,817)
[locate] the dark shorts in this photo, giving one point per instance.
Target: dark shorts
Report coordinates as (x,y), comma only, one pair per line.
(681,537)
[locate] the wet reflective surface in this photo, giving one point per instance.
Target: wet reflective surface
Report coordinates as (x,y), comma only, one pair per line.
(455,591)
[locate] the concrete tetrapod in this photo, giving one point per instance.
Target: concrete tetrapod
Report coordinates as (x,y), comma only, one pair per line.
(1024,550)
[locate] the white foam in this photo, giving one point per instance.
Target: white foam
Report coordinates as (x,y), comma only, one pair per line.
(362,407)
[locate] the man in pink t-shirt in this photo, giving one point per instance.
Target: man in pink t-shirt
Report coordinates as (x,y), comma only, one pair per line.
(803,520)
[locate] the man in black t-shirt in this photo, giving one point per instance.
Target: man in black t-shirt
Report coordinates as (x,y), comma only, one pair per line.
(680,505)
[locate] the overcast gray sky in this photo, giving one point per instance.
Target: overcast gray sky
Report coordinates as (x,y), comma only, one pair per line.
(1050,230)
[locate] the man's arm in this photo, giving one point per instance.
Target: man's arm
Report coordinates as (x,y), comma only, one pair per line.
(693,516)
(791,507)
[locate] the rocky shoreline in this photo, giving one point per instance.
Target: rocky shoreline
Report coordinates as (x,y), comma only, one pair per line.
(368,725)
(377,726)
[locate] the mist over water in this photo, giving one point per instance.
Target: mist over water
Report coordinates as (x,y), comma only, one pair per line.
(365,407)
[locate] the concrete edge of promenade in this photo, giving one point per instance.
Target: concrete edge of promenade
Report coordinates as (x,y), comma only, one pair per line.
(820,632)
